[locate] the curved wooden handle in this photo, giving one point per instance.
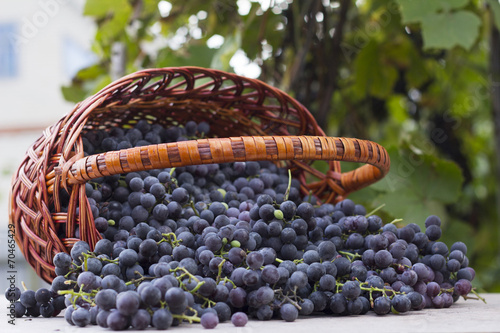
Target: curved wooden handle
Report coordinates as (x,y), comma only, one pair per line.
(244,148)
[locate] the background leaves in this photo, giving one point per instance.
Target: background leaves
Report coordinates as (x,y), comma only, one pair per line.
(411,75)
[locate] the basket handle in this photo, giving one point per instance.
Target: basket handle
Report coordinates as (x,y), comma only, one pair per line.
(233,149)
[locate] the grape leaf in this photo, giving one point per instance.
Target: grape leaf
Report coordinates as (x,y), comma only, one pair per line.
(370,75)
(413,11)
(193,55)
(418,185)
(446,30)
(443,25)
(113,24)
(410,207)
(73,93)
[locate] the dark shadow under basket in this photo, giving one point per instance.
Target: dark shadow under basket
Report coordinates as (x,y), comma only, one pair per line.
(249,119)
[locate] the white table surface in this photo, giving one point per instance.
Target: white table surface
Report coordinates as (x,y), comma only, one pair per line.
(463,316)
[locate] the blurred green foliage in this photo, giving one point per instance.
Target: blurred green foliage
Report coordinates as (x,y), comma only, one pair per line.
(410,75)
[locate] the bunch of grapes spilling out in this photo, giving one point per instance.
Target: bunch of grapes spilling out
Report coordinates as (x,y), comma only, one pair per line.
(214,243)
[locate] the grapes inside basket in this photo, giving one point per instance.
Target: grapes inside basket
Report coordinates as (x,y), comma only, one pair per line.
(145,216)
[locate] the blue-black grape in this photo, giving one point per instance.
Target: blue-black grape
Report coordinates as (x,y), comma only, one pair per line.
(401,303)
(128,257)
(351,289)
(43,295)
(338,304)
(80,317)
(141,320)
(289,312)
(382,305)
(237,297)
(239,319)
(28,299)
(128,302)
(209,320)
(298,279)
(12,294)
(117,321)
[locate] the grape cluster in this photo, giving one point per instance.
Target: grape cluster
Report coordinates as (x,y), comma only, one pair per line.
(215,243)
(42,302)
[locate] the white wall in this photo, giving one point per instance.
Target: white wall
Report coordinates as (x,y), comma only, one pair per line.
(44,29)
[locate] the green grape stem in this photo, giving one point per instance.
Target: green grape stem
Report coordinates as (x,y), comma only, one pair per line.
(350,256)
(375,210)
(139,280)
(285,298)
(75,295)
(287,192)
(191,204)
(190,319)
(226,279)
(184,273)
(93,255)
(171,238)
(219,271)
(207,303)
(474,291)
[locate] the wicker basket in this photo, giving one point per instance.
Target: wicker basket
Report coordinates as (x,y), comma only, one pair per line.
(249,119)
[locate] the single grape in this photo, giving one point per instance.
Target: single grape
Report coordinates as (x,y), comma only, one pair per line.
(239,319)
(382,305)
(351,289)
(47,310)
(289,312)
(106,299)
(298,279)
(141,320)
(462,287)
(68,314)
(401,303)
(28,299)
(62,259)
(80,317)
(12,294)
(43,295)
(128,302)
(117,321)
(209,320)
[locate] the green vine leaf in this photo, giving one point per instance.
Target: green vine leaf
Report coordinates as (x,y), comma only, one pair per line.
(419,185)
(370,76)
(444,25)
(446,30)
(115,16)
(415,11)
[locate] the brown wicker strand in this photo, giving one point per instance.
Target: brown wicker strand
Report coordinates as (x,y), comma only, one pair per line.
(228,150)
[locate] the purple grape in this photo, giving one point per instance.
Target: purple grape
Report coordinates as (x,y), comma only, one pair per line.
(463,287)
(209,320)
(239,319)
(289,312)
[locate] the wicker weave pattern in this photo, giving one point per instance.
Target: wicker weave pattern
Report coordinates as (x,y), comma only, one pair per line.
(233,106)
(227,150)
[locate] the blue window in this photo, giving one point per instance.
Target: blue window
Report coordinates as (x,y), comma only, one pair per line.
(8,59)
